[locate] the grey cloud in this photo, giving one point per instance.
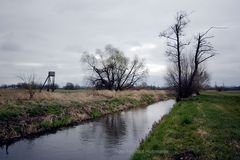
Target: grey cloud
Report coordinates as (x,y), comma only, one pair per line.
(54,33)
(10,46)
(73,48)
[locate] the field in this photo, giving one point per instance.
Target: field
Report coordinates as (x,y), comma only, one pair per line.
(202,127)
(47,111)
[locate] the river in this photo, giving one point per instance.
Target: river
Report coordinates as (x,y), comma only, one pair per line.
(114,136)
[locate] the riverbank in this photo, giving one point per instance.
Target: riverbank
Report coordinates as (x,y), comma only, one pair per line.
(203,127)
(20,117)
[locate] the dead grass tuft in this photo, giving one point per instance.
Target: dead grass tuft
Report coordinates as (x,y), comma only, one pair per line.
(11,95)
(202,132)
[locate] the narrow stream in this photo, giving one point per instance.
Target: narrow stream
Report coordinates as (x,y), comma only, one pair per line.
(115,136)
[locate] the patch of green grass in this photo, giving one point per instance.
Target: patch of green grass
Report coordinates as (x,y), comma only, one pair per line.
(135,103)
(10,112)
(95,113)
(61,122)
(147,98)
(114,102)
(34,111)
(186,120)
(208,125)
(56,123)
(46,124)
(55,109)
(8,115)
(30,109)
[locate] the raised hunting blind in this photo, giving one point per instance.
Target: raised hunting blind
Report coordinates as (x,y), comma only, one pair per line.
(50,80)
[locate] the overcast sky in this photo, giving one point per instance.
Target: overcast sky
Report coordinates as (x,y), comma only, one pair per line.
(41,35)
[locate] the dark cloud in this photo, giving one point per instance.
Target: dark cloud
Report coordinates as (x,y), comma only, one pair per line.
(10,47)
(37,36)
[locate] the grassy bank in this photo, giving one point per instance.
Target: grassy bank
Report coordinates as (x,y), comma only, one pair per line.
(21,117)
(203,127)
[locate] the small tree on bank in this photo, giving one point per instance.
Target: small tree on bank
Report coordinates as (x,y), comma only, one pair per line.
(187,74)
(111,69)
(28,83)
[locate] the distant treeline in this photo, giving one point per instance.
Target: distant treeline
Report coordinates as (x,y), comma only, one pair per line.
(72,86)
(225,88)
(25,86)
(67,86)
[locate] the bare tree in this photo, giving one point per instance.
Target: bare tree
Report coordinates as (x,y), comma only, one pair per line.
(176,45)
(28,82)
(187,74)
(200,81)
(112,70)
(203,51)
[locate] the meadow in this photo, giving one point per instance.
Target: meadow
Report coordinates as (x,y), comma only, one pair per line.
(49,111)
(201,127)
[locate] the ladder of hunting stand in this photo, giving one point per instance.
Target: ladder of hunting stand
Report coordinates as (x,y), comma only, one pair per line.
(50,80)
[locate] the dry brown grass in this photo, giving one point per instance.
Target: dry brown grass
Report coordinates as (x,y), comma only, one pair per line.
(9,95)
(49,110)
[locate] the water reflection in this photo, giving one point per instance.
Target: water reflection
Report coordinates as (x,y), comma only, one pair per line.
(111,137)
(114,128)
